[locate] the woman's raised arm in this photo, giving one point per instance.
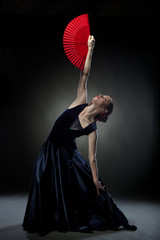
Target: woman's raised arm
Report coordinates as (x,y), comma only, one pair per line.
(82,85)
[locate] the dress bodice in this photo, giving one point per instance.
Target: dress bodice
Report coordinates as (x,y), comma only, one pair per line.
(76,125)
(68,127)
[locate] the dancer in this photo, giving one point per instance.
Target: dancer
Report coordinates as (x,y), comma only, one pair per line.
(66,191)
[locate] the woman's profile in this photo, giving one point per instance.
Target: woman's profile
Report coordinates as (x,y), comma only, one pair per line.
(66,192)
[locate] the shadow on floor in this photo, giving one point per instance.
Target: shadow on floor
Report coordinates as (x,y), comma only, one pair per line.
(16,232)
(144,214)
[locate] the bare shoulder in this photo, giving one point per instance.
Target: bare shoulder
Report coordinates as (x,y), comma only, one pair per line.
(76,102)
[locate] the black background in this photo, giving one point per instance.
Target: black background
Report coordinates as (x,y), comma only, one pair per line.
(38,83)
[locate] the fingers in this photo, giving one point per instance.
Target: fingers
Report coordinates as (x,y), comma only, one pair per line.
(102,188)
(91,37)
(99,187)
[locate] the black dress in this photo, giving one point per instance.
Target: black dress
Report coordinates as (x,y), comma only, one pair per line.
(62,195)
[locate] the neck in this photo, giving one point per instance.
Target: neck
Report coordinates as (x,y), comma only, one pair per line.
(90,112)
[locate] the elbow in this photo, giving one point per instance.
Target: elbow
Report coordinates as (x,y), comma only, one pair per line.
(92,159)
(85,72)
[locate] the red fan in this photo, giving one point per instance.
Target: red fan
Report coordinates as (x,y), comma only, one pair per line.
(75,40)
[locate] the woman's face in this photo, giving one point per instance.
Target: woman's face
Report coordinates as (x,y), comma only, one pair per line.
(102,101)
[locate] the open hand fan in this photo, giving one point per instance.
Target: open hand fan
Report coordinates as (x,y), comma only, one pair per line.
(75,40)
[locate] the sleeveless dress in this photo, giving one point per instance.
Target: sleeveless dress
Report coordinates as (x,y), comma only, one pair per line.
(62,195)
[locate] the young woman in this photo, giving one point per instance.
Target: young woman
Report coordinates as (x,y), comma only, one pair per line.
(66,192)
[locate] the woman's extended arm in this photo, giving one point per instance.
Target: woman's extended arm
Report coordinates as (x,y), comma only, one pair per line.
(82,85)
(92,142)
(92,146)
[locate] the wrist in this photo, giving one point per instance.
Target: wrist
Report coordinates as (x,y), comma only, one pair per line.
(90,48)
(95,180)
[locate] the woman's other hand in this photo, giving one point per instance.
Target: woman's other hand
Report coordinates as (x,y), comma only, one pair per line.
(99,186)
(91,41)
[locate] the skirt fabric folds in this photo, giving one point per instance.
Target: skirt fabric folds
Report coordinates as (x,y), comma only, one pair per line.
(63,197)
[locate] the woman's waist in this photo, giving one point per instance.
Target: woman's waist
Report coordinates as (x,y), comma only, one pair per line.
(62,140)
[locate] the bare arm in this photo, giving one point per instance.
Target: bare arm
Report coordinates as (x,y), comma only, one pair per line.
(82,85)
(92,144)
(92,141)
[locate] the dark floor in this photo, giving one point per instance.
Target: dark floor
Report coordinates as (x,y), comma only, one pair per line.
(145,214)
